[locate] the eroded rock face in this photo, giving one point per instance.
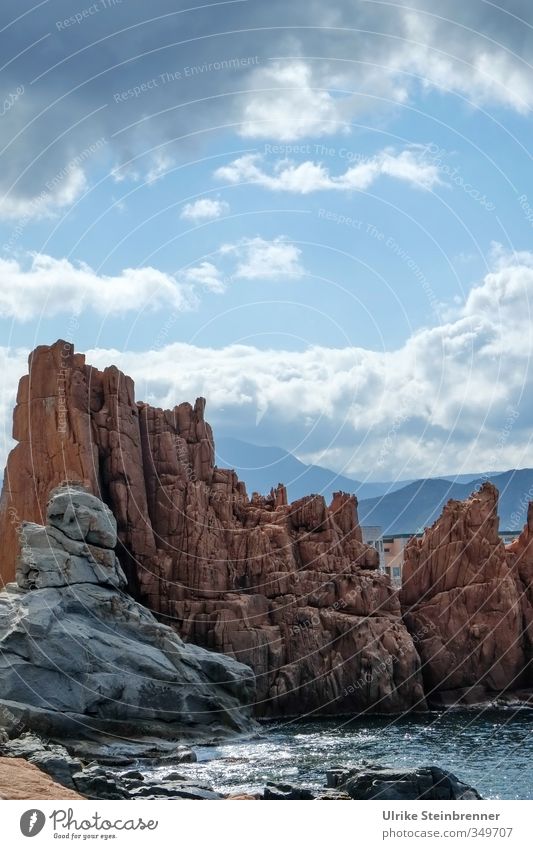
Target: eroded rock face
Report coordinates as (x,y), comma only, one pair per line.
(80,659)
(289,589)
(467,601)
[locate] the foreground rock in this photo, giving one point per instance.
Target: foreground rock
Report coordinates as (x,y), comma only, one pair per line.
(97,781)
(21,780)
(376,782)
(82,662)
(289,589)
(372,781)
(468,602)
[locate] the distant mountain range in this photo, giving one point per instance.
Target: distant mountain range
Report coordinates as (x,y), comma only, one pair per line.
(397,506)
(413,507)
(263,467)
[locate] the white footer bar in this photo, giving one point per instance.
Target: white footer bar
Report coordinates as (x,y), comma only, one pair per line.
(275,825)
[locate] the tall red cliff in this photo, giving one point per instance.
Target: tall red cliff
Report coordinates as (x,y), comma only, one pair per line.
(289,589)
(469,600)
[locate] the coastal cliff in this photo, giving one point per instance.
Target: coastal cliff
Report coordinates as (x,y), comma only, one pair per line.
(288,589)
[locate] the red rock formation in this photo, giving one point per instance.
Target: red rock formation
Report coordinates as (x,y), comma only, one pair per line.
(464,601)
(289,589)
(520,553)
(22,780)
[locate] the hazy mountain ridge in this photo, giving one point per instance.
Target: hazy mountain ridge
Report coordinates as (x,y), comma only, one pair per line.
(262,467)
(397,506)
(420,503)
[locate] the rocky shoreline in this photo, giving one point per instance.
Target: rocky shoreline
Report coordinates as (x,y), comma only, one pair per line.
(105,689)
(94,687)
(128,779)
(289,590)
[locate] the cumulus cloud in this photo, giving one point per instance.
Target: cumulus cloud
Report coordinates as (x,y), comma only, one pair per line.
(45,285)
(305,177)
(130,91)
(438,403)
(58,194)
(287,105)
(506,294)
(204,209)
(441,402)
(260,259)
(51,286)
(207,276)
(484,65)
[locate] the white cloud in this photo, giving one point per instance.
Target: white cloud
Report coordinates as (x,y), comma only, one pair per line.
(158,167)
(60,193)
(204,209)
(390,60)
(266,260)
(480,68)
(48,286)
(51,286)
(506,294)
(378,57)
(409,165)
(438,403)
(207,276)
(286,104)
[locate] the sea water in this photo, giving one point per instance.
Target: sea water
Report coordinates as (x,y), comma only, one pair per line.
(490,749)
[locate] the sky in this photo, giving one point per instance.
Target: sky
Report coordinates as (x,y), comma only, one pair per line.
(318,216)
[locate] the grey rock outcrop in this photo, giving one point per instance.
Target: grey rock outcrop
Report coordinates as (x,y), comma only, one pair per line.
(81,661)
(373,781)
(76,546)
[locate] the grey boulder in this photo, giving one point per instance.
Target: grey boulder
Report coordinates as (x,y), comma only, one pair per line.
(76,546)
(82,516)
(376,782)
(80,660)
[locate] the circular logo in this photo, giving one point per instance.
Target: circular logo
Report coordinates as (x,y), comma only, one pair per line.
(32,822)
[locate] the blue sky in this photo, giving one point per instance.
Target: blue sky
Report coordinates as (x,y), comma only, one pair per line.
(320,218)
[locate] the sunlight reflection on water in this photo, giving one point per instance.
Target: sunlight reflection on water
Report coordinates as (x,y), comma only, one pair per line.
(492,751)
